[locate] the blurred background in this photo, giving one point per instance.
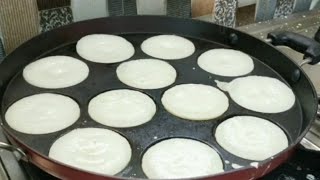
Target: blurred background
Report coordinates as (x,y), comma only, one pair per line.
(20,20)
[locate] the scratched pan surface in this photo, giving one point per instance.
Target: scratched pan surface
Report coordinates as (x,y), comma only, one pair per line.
(164,125)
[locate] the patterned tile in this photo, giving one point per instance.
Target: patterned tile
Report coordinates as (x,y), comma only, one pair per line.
(283,8)
(53,18)
(225,12)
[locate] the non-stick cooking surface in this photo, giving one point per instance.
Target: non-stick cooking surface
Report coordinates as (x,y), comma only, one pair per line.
(102,77)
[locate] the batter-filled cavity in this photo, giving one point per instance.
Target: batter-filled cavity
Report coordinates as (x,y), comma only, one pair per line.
(169,47)
(180,158)
(260,93)
(42,113)
(122,108)
(251,137)
(195,101)
(146,73)
(56,72)
(104,48)
(226,62)
(93,149)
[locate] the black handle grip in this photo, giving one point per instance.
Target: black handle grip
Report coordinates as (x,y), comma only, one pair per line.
(309,47)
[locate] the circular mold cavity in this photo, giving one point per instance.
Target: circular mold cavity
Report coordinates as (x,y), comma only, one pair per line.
(168,47)
(180,158)
(104,48)
(226,62)
(93,149)
(195,101)
(250,137)
(146,73)
(56,72)
(260,93)
(122,108)
(42,113)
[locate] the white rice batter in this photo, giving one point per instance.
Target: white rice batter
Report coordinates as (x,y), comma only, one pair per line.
(104,48)
(56,72)
(146,73)
(259,93)
(169,47)
(195,101)
(180,158)
(251,138)
(226,62)
(42,113)
(122,108)
(92,149)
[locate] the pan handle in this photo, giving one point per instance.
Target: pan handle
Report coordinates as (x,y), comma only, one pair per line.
(309,47)
(17,151)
